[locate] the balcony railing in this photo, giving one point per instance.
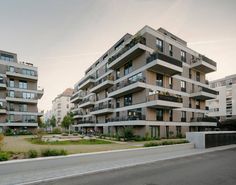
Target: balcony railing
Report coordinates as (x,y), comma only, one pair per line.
(211,91)
(165,97)
(127,83)
(127,118)
(85,121)
(111,78)
(24,72)
(203,119)
(100,107)
(127,47)
(165,58)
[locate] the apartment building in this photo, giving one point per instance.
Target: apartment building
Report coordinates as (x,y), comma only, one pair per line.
(19,93)
(61,105)
(224,106)
(150,81)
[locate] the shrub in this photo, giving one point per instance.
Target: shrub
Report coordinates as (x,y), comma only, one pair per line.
(128,133)
(53,152)
(32,154)
(56,130)
(65,134)
(75,134)
(150,144)
(39,133)
(4,156)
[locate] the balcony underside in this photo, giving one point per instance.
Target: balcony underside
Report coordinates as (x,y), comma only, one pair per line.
(10,99)
(164,104)
(132,53)
(136,87)
(104,85)
(203,96)
(3,86)
(160,66)
(87,104)
(103,111)
(86,84)
(76,99)
(202,124)
(3,111)
(203,67)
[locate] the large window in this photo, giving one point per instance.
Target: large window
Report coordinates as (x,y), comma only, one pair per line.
(12,69)
(128,68)
(27,95)
(183,86)
(135,114)
(12,83)
(183,116)
(159,114)
(159,80)
(117,73)
(197,104)
(198,76)
(1,79)
(23,85)
(159,43)
(128,100)
(183,56)
(23,108)
(6,57)
(136,78)
(28,72)
(12,94)
(170,81)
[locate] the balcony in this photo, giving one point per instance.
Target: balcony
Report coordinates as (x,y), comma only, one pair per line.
(203,121)
(20,98)
(102,84)
(102,109)
(2,83)
(127,87)
(130,51)
(165,101)
(161,63)
(3,109)
(203,64)
(40,92)
(87,102)
(19,73)
(77,96)
(87,82)
(204,94)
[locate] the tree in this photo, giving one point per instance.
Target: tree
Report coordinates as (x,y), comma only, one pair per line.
(40,123)
(67,121)
(1,140)
(53,121)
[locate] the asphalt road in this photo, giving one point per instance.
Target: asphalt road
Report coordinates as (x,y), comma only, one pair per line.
(213,168)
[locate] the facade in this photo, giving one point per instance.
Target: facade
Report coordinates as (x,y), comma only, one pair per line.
(224,106)
(150,81)
(19,93)
(61,105)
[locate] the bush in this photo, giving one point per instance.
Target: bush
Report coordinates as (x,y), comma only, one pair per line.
(56,130)
(128,133)
(64,134)
(75,134)
(53,152)
(32,154)
(150,144)
(4,156)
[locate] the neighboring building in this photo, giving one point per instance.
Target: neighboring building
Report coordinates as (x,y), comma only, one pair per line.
(47,116)
(19,93)
(151,81)
(224,106)
(61,105)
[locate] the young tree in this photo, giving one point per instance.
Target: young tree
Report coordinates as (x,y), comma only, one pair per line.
(53,121)
(1,140)
(40,123)
(67,121)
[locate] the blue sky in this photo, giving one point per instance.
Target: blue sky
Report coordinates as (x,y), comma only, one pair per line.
(64,37)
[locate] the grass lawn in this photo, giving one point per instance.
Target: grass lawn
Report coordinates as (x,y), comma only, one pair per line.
(22,144)
(78,142)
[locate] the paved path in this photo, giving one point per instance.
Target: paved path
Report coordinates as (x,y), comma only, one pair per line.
(215,168)
(37,170)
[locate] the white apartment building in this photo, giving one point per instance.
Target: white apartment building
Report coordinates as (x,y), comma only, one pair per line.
(61,105)
(224,106)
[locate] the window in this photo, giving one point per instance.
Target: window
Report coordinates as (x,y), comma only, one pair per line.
(6,57)
(190,73)
(12,94)
(183,56)
(198,76)
(159,80)
(23,85)
(106,67)
(23,108)
(135,114)
(183,116)
(178,130)
(1,104)
(28,72)
(117,73)
(159,43)
(159,114)
(117,102)
(128,68)
(197,104)
(97,73)
(1,79)
(135,78)
(183,86)
(27,95)
(12,84)
(170,80)
(12,69)
(128,100)
(170,115)
(170,50)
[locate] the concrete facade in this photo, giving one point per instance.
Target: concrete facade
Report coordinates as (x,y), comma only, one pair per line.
(19,93)
(150,81)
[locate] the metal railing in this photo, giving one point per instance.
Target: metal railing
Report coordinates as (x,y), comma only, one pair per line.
(165,97)
(127,118)
(100,107)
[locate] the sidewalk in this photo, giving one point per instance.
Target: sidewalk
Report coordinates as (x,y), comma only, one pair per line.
(39,170)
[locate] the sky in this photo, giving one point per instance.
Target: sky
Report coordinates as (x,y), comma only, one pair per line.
(64,37)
